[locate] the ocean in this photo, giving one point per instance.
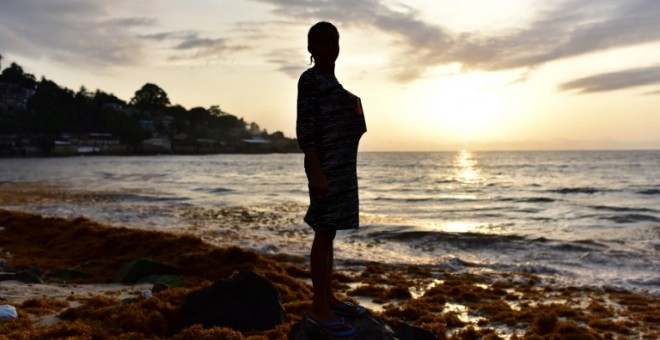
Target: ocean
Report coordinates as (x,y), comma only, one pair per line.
(582,218)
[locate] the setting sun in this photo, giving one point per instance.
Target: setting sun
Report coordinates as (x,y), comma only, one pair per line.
(469,112)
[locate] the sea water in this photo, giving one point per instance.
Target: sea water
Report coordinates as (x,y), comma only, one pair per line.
(580,217)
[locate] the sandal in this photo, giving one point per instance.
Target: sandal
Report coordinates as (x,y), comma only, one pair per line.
(349,309)
(335,328)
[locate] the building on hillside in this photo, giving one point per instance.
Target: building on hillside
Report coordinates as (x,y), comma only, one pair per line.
(120,108)
(14,97)
(88,143)
(256,144)
(157,145)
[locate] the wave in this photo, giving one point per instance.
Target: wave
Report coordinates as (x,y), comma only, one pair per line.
(631,218)
(577,190)
(145,198)
(462,240)
(219,190)
(529,268)
(530,200)
(412,200)
(649,192)
(620,209)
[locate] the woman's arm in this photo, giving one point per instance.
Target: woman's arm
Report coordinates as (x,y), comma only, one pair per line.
(307,111)
(318,184)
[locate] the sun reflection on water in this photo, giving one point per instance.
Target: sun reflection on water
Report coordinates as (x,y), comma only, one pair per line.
(466,168)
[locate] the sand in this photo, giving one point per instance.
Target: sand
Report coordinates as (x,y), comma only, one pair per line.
(450,304)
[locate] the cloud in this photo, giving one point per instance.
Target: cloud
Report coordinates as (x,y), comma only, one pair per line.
(571,28)
(189,45)
(615,80)
(283,58)
(652,93)
(84,33)
(70,31)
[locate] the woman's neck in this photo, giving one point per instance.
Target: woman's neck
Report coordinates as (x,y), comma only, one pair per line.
(327,70)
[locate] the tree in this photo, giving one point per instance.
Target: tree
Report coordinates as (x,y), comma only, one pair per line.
(14,74)
(215,110)
(150,96)
(101,98)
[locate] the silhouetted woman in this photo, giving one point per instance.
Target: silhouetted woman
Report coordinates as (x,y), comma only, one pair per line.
(329,125)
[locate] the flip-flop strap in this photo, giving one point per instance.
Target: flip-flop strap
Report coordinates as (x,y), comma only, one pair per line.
(341,322)
(351,306)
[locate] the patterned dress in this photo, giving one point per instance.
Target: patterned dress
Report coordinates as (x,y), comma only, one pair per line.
(331,119)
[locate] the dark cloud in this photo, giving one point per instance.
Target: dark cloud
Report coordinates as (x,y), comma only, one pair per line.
(71,31)
(82,33)
(284,58)
(571,28)
(614,80)
(193,46)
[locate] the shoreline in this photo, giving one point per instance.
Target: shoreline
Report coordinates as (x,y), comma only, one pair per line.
(452,305)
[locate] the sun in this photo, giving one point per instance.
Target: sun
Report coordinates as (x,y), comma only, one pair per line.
(468,112)
(461,107)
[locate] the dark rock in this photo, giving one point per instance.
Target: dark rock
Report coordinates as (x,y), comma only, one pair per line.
(159,287)
(34,269)
(76,272)
(168,280)
(22,276)
(69,274)
(368,327)
(134,271)
(246,301)
(405,331)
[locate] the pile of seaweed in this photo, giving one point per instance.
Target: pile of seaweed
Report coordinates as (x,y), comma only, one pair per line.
(451,305)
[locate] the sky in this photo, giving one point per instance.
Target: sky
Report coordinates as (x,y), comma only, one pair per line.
(433,75)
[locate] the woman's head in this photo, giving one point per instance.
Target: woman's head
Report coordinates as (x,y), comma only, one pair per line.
(323,43)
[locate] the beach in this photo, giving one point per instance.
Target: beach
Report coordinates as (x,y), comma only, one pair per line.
(451,304)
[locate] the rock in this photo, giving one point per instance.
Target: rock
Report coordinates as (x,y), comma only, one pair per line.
(404,331)
(246,301)
(368,327)
(134,271)
(34,269)
(171,281)
(22,276)
(159,287)
(8,312)
(69,274)
(76,272)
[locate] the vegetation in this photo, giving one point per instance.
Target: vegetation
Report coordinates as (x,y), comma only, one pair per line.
(43,112)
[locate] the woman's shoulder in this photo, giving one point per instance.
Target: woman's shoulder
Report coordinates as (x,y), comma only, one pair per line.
(309,74)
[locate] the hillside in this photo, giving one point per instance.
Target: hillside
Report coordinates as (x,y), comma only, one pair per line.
(42,118)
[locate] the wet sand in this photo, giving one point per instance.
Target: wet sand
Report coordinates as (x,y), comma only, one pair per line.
(514,305)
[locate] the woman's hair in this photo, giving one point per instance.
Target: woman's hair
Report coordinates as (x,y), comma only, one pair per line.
(316,30)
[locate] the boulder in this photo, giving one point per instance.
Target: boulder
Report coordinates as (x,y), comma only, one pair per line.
(246,301)
(69,274)
(404,331)
(22,276)
(159,287)
(368,327)
(133,272)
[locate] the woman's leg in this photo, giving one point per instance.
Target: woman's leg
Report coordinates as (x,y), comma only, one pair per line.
(321,263)
(333,302)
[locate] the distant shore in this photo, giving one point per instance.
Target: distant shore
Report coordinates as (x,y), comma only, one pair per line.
(452,305)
